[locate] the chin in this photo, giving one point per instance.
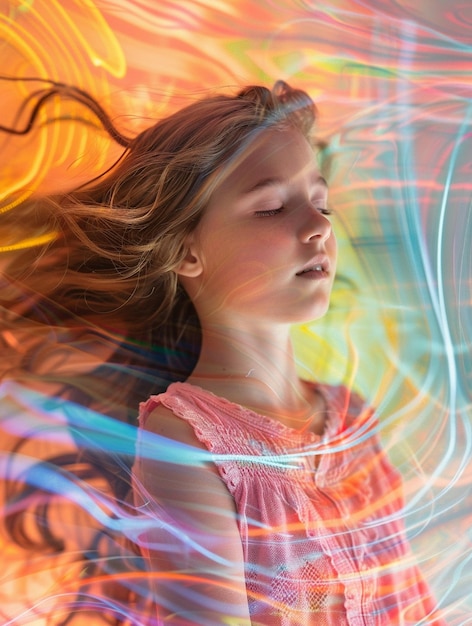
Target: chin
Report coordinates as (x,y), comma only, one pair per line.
(305,317)
(315,313)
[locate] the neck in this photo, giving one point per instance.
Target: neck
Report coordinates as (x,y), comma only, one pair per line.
(251,366)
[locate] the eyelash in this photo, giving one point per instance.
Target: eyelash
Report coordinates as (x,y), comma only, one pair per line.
(271,212)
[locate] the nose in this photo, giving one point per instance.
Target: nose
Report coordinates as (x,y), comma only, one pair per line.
(316,226)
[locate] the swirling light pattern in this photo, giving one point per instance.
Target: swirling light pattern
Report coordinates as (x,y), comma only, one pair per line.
(393,83)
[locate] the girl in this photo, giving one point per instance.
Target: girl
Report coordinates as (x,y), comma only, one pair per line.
(210,237)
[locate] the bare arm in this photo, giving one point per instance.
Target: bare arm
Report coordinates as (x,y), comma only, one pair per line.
(191,585)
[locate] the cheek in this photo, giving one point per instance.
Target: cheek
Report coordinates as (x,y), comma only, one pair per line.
(229,245)
(237,270)
(243,285)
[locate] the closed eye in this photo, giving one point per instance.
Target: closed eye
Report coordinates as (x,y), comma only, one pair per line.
(269,212)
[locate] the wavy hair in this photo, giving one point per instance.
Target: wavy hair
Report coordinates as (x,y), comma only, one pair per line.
(109,272)
(120,237)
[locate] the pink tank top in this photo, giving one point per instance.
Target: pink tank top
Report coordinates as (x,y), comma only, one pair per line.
(323,543)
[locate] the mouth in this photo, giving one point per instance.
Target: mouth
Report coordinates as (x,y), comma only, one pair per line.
(316,267)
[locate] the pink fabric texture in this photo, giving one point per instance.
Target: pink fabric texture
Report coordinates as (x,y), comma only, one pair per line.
(323,542)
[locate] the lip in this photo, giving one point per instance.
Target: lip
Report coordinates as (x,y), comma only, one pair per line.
(319,259)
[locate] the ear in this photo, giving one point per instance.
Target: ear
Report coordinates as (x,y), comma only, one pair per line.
(191,266)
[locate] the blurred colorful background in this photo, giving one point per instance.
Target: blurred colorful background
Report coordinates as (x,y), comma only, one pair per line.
(393,83)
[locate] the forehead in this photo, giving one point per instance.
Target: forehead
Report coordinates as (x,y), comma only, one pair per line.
(275,155)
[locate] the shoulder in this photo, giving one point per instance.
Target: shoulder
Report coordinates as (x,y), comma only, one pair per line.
(347,405)
(188,413)
(342,396)
(174,466)
(162,421)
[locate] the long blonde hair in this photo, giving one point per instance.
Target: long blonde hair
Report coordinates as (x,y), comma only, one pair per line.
(108,280)
(122,235)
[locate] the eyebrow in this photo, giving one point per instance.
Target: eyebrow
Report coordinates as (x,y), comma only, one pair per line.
(274,181)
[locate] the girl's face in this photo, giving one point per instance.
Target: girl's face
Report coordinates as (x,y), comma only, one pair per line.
(264,226)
